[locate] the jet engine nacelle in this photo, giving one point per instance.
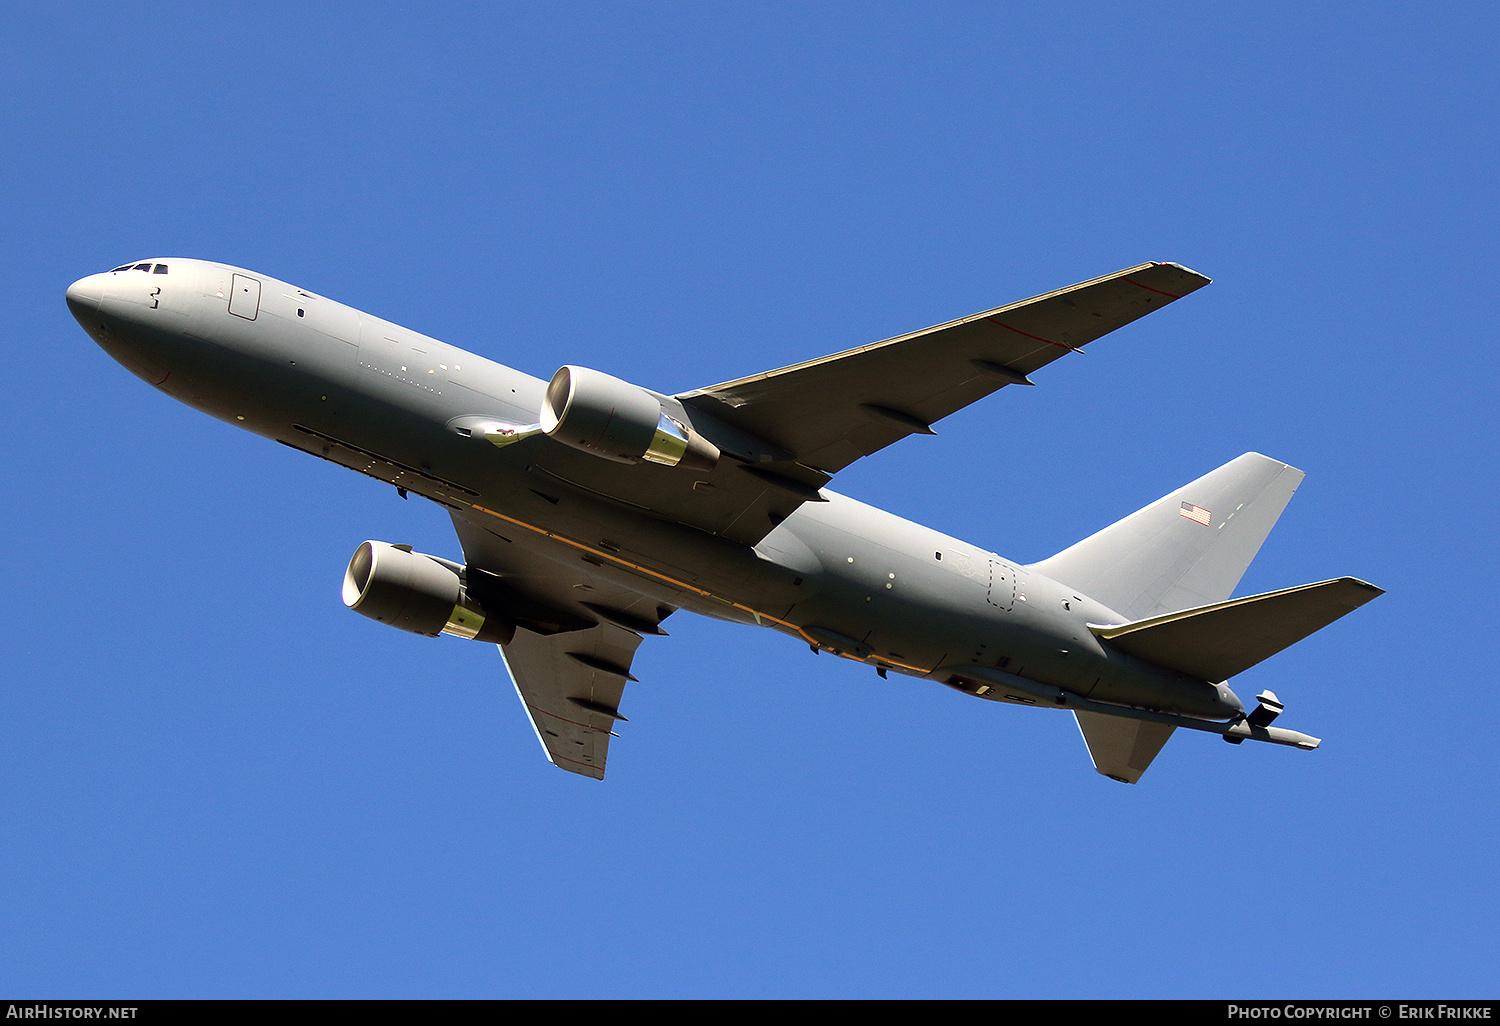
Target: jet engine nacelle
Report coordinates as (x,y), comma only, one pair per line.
(417,593)
(602,415)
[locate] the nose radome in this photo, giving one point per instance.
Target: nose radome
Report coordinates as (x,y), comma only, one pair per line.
(85,293)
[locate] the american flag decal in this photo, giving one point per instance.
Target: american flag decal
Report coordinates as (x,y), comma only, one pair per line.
(1195,513)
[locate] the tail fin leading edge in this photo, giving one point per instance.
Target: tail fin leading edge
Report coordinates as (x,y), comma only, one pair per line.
(1186,549)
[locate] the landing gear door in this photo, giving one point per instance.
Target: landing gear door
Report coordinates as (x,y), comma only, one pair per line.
(244,297)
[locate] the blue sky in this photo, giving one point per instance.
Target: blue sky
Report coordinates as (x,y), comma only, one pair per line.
(216,781)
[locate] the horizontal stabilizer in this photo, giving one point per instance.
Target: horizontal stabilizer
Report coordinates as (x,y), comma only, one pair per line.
(1122,749)
(1216,642)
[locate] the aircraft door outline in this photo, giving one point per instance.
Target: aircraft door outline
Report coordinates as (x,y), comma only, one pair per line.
(1001,592)
(244,297)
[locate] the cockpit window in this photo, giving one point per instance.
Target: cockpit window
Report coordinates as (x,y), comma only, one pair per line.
(125,268)
(161,268)
(142,267)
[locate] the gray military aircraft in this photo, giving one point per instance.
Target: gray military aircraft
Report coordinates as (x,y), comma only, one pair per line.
(590,509)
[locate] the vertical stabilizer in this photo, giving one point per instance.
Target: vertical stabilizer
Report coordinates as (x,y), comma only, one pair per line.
(1186,549)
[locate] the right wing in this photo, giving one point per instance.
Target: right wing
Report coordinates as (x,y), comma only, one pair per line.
(571,653)
(571,686)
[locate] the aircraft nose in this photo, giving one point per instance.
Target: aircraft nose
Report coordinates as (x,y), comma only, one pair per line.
(85,293)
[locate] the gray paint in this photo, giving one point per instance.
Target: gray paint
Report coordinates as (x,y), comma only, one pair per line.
(571,548)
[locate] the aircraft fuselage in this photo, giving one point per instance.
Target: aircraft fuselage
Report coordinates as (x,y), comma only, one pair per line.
(841,576)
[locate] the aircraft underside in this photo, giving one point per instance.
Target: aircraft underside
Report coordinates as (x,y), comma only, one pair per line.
(590,509)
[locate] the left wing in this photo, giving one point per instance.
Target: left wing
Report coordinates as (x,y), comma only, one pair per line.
(815,418)
(831,411)
(571,655)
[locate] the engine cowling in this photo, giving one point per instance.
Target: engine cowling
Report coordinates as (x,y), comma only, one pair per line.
(604,416)
(417,593)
